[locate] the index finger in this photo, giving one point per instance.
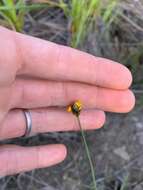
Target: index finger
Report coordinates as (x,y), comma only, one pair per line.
(48,60)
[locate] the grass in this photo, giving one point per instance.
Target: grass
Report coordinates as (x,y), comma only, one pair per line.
(76,108)
(94,186)
(82,16)
(12,17)
(13,13)
(125,183)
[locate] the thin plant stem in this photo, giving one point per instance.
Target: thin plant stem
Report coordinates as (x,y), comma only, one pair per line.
(88,154)
(125,182)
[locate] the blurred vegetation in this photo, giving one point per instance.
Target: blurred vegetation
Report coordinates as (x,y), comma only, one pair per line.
(83,14)
(10,16)
(13,12)
(115,25)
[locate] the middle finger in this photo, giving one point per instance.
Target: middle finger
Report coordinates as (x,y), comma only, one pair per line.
(41,93)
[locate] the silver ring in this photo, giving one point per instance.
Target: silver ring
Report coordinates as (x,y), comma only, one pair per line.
(28,123)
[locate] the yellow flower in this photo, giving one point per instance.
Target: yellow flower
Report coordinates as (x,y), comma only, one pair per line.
(75,108)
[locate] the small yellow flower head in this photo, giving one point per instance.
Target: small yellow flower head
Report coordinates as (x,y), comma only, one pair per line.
(75,108)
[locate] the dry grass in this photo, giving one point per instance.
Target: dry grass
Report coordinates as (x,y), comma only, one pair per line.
(121,40)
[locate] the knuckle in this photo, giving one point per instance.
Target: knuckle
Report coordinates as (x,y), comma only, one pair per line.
(62,95)
(65,94)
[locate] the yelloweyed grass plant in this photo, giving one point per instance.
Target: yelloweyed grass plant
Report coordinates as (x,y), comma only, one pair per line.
(76,108)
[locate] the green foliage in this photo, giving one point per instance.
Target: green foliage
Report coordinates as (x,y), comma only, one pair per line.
(108,12)
(12,17)
(125,183)
(88,154)
(84,14)
(12,13)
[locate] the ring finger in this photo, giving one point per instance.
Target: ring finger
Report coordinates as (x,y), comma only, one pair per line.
(48,120)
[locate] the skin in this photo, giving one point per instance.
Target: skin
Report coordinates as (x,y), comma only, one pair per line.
(40,75)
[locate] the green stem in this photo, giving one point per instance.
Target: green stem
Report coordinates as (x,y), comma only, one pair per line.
(88,154)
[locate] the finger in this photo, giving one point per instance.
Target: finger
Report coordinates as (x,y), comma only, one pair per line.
(49,120)
(36,93)
(9,57)
(47,60)
(15,159)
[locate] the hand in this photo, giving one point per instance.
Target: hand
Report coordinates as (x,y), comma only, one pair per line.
(40,75)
